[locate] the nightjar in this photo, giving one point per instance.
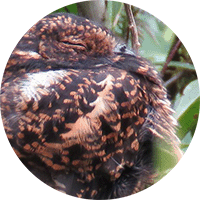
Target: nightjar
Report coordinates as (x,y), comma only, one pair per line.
(83,112)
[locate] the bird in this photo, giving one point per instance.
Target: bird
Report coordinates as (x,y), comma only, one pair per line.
(82,111)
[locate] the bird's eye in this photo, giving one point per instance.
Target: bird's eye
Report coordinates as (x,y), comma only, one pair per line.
(78,44)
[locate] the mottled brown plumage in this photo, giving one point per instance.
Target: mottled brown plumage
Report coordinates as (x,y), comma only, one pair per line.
(82,112)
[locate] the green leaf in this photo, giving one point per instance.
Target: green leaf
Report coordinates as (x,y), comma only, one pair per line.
(117,15)
(190,95)
(73,8)
(183,146)
(188,120)
(181,65)
(168,34)
(164,156)
(187,109)
(185,142)
(113,9)
(177,64)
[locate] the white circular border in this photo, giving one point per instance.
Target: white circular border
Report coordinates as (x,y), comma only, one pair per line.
(17,17)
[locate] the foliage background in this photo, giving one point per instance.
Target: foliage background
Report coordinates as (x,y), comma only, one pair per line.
(157,41)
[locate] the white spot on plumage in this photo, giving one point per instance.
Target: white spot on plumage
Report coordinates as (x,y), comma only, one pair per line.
(43,80)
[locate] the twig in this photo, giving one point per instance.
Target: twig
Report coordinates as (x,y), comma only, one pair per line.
(173,79)
(170,56)
(132,28)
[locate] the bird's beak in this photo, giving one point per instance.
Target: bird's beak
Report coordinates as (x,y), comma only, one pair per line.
(122,49)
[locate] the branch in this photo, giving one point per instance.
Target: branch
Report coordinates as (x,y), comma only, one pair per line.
(170,56)
(132,28)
